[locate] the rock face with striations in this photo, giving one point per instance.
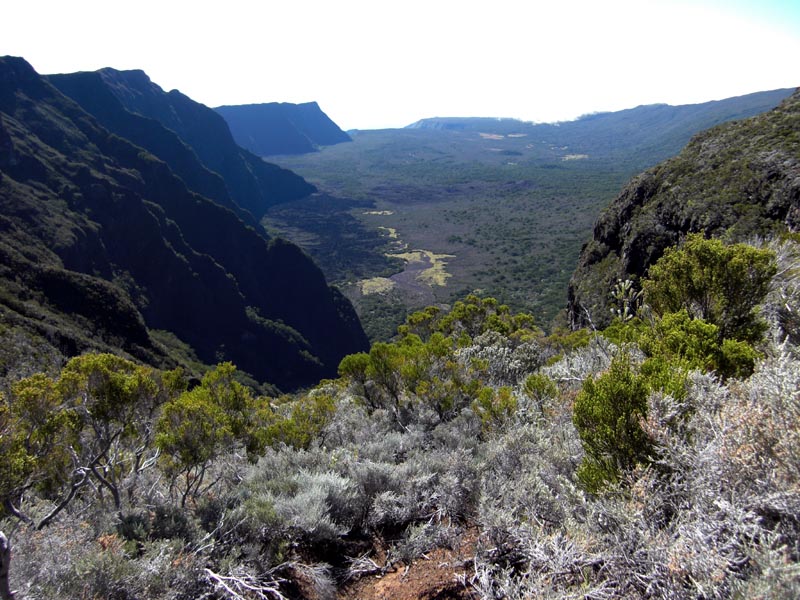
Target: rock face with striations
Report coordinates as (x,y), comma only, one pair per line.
(734,181)
(282,128)
(101,243)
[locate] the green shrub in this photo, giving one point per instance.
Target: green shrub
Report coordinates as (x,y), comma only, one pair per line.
(470,317)
(563,340)
(607,415)
(302,425)
(495,408)
(625,332)
(540,388)
(685,343)
(736,359)
(717,283)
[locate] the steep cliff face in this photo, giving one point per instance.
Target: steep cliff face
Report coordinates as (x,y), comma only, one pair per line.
(92,92)
(734,181)
(253,184)
(281,128)
(100,242)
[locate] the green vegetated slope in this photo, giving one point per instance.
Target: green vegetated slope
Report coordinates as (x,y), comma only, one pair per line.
(102,244)
(508,203)
(473,457)
(736,181)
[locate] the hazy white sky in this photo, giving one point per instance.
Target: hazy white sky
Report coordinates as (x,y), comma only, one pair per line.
(373,64)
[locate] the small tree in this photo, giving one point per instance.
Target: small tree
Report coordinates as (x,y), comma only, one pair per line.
(91,424)
(235,399)
(204,422)
(116,401)
(494,408)
(540,388)
(300,423)
(191,432)
(354,368)
(36,439)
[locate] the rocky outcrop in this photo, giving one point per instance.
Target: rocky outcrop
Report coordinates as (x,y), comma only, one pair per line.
(735,181)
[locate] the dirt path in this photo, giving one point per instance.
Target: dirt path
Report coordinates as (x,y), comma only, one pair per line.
(439,575)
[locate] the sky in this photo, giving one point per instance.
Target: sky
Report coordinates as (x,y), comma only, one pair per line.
(374,64)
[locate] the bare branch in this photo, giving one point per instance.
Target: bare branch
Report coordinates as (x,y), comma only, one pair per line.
(236,585)
(84,475)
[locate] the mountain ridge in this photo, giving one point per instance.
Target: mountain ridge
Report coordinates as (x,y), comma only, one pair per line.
(617,133)
(90,89)
(274,128)
(254,184)
(102,237)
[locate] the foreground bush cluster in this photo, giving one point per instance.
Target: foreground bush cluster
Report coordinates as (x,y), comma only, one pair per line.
(658,459)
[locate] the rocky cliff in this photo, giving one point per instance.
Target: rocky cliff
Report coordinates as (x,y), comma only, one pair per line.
(253,184)
(282,128)
(735,181)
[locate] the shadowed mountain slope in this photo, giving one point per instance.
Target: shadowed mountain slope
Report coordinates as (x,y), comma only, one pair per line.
(281,128)
(253,184)
(91,91)
(100,241)
(736,181)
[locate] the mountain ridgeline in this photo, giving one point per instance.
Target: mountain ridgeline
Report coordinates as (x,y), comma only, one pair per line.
(281,127)
(252,184)
(127,210)
(635,137)
(736,181)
